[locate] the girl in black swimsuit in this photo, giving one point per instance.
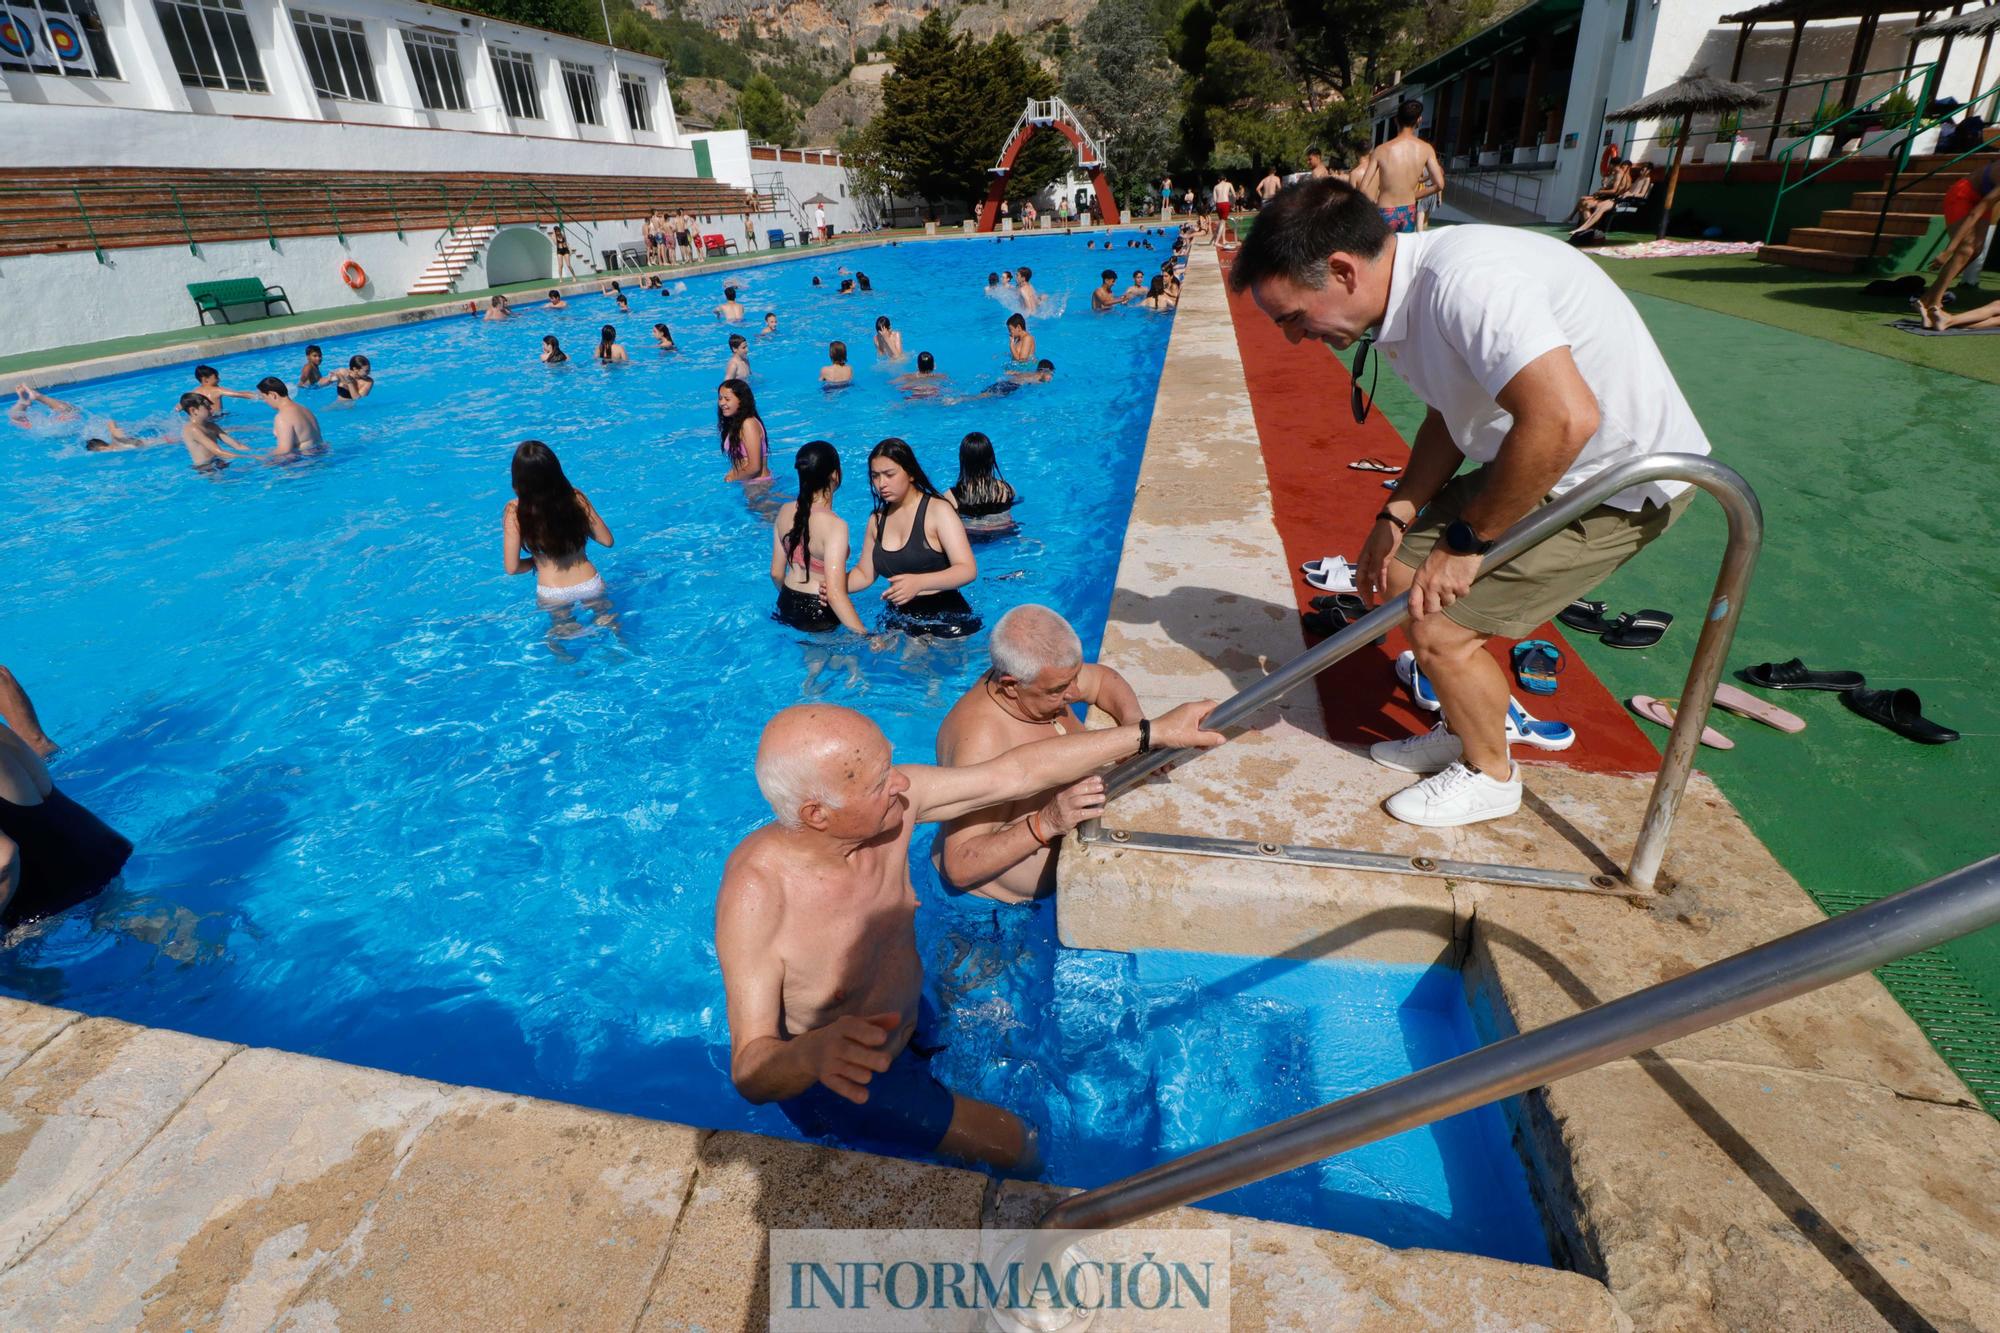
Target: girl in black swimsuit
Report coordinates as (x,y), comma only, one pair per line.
(930,563)
(984,500)
(64,853)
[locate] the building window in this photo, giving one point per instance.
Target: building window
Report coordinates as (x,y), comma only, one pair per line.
(581,83)
(1631,20)
(211,46)
(633,89)
(434,60)
(514,71)
(59,37)
(336,53)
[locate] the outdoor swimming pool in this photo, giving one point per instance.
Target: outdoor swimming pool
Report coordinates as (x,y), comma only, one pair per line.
(380,821)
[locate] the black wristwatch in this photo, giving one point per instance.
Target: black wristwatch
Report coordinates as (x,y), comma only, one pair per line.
(1460,539)
(1145,735)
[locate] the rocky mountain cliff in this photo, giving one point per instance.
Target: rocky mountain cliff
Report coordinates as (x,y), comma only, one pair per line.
(843,26)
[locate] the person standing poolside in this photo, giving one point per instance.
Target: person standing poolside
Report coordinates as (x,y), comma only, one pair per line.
(1269,186)
(1223,195)
(809,549)
(815,927)
(1008,852)
(26,398)
(1316,166)
(608,351)
(983,498)
(295,429)
(888,342)
(1020,342)
(546,528)
(1167,199)
(739,358)
(931,559)
(836,373)
(1102,297)
(552,352)
(731,309)
(310,375)
(17,710)
(744,441)
(54,853)
(1394,173)
(209,446)
(1970,206)
(564,269)
(1532,363)
(819,222)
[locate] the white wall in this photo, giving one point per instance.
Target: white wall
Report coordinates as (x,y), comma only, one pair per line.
(729,158)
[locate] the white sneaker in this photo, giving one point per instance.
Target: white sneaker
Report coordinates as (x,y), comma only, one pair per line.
(1431,752)
(1458,795)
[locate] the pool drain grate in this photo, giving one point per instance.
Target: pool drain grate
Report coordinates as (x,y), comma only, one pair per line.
(1958,1020)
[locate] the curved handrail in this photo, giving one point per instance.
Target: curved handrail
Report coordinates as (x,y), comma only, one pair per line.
(1739,558)
(1840,947)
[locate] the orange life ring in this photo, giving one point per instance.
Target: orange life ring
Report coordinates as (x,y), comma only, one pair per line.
(351,273)
(1606,158)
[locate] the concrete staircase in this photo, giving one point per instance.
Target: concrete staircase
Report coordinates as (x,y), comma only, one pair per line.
(1844,241)
(453,258)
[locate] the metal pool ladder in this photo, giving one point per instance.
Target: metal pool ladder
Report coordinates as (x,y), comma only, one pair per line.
(1840,947)
(1718,630)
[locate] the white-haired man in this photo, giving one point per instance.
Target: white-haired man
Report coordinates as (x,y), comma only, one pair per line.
(1008,852)
(815,925)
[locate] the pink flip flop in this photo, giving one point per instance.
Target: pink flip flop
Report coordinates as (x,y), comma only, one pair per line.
(1757,710)
(1660,711)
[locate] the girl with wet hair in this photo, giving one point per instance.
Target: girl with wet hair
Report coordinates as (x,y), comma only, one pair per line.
(984,500)
(930,559)
(809,549)
(608,350)
(744,441)
(546,527)
(552,352)
(664,337)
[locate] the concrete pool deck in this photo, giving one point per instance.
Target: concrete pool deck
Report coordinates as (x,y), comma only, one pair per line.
(1813,1167)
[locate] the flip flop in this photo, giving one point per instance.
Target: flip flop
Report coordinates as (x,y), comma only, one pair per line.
(1373,465)
(1334,578)
(1661,711)
(1637,629)
(1796,675)
(1750,706)
(1523,728)
(1346,603)
(1316,566)
(1901,712)
(1584,617)
(1537,663)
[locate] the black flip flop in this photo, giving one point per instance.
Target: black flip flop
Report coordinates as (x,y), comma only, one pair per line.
(1347,603)
(1637,629)
(1796,675)
(1584,617)
(1901,712)
(1331,620)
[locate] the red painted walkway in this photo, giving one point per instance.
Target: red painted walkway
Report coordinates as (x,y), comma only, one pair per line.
(1299,396)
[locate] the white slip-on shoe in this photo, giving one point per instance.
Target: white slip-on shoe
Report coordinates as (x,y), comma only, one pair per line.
(1430,752)
(1334,576)
(1458,795)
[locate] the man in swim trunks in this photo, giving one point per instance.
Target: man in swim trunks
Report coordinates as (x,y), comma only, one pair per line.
(1224,198)
(1011,382)
(836,372)
(815,926)
(1008,852)
(1269,186)
(1316,163)
(731,309)
(296,429)
(1969,208)
(924,381)
(1031,300)
(1103,297)
(1400,172)
(205,438)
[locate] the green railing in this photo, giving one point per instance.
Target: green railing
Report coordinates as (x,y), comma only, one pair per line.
(1862,118)
(486,204)
(1896,184)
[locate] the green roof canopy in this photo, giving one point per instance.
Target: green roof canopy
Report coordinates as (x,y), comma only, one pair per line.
(1538,17)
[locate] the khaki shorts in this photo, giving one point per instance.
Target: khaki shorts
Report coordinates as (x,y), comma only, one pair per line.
(1533,586)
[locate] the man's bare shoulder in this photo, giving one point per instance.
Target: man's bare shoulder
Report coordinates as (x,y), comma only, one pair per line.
(752,878)
(974,730)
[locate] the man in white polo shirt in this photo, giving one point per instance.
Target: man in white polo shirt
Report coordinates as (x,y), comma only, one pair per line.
(1536,367)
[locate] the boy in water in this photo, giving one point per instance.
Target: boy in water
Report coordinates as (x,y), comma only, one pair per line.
(924,381)
(556,301)
(310,377)
(739,358)
(1104,298)
(1020,342)
(770,321)
(1031,300)
(208,383)
(731,309)
(205,438)
(296,429)
(120,438)
(888,342)
(1137,291)
(498,309)
(26,398)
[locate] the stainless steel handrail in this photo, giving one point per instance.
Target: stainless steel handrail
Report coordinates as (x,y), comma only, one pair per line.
(1841,947)
(1739,558)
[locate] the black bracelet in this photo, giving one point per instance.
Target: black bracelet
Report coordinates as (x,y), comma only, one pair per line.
(1145,735)
(1400,525)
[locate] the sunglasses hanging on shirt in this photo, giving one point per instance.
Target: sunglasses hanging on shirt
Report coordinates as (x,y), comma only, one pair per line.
(1358,402)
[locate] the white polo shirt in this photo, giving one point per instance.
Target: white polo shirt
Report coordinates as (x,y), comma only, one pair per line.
(1470,306)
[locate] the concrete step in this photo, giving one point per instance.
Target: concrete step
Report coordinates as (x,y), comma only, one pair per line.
(1860,219)
(1796,256)
(1926,200)
(1859,243)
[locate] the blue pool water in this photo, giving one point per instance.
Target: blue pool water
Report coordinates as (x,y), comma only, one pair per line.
(380,821)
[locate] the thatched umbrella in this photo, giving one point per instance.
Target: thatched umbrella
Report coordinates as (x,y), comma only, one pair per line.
(1683,101)
(1979,23)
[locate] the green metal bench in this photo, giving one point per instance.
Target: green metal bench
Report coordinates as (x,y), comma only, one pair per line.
(214,298)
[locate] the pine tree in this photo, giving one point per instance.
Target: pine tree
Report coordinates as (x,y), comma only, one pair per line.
(1119,79)
(763,111)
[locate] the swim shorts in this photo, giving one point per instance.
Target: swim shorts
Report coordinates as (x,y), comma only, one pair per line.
(1222,209)
(936,615)
(1959,200)
(1403,217)
(907,1109)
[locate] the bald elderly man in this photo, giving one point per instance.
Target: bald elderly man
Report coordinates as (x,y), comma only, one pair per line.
(815,925)
(1008,852)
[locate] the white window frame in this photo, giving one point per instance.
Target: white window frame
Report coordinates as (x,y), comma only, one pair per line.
(346,40)
(207,29)
(637,94)
(514,73)
(587,110)
(79,20)
(439,74)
